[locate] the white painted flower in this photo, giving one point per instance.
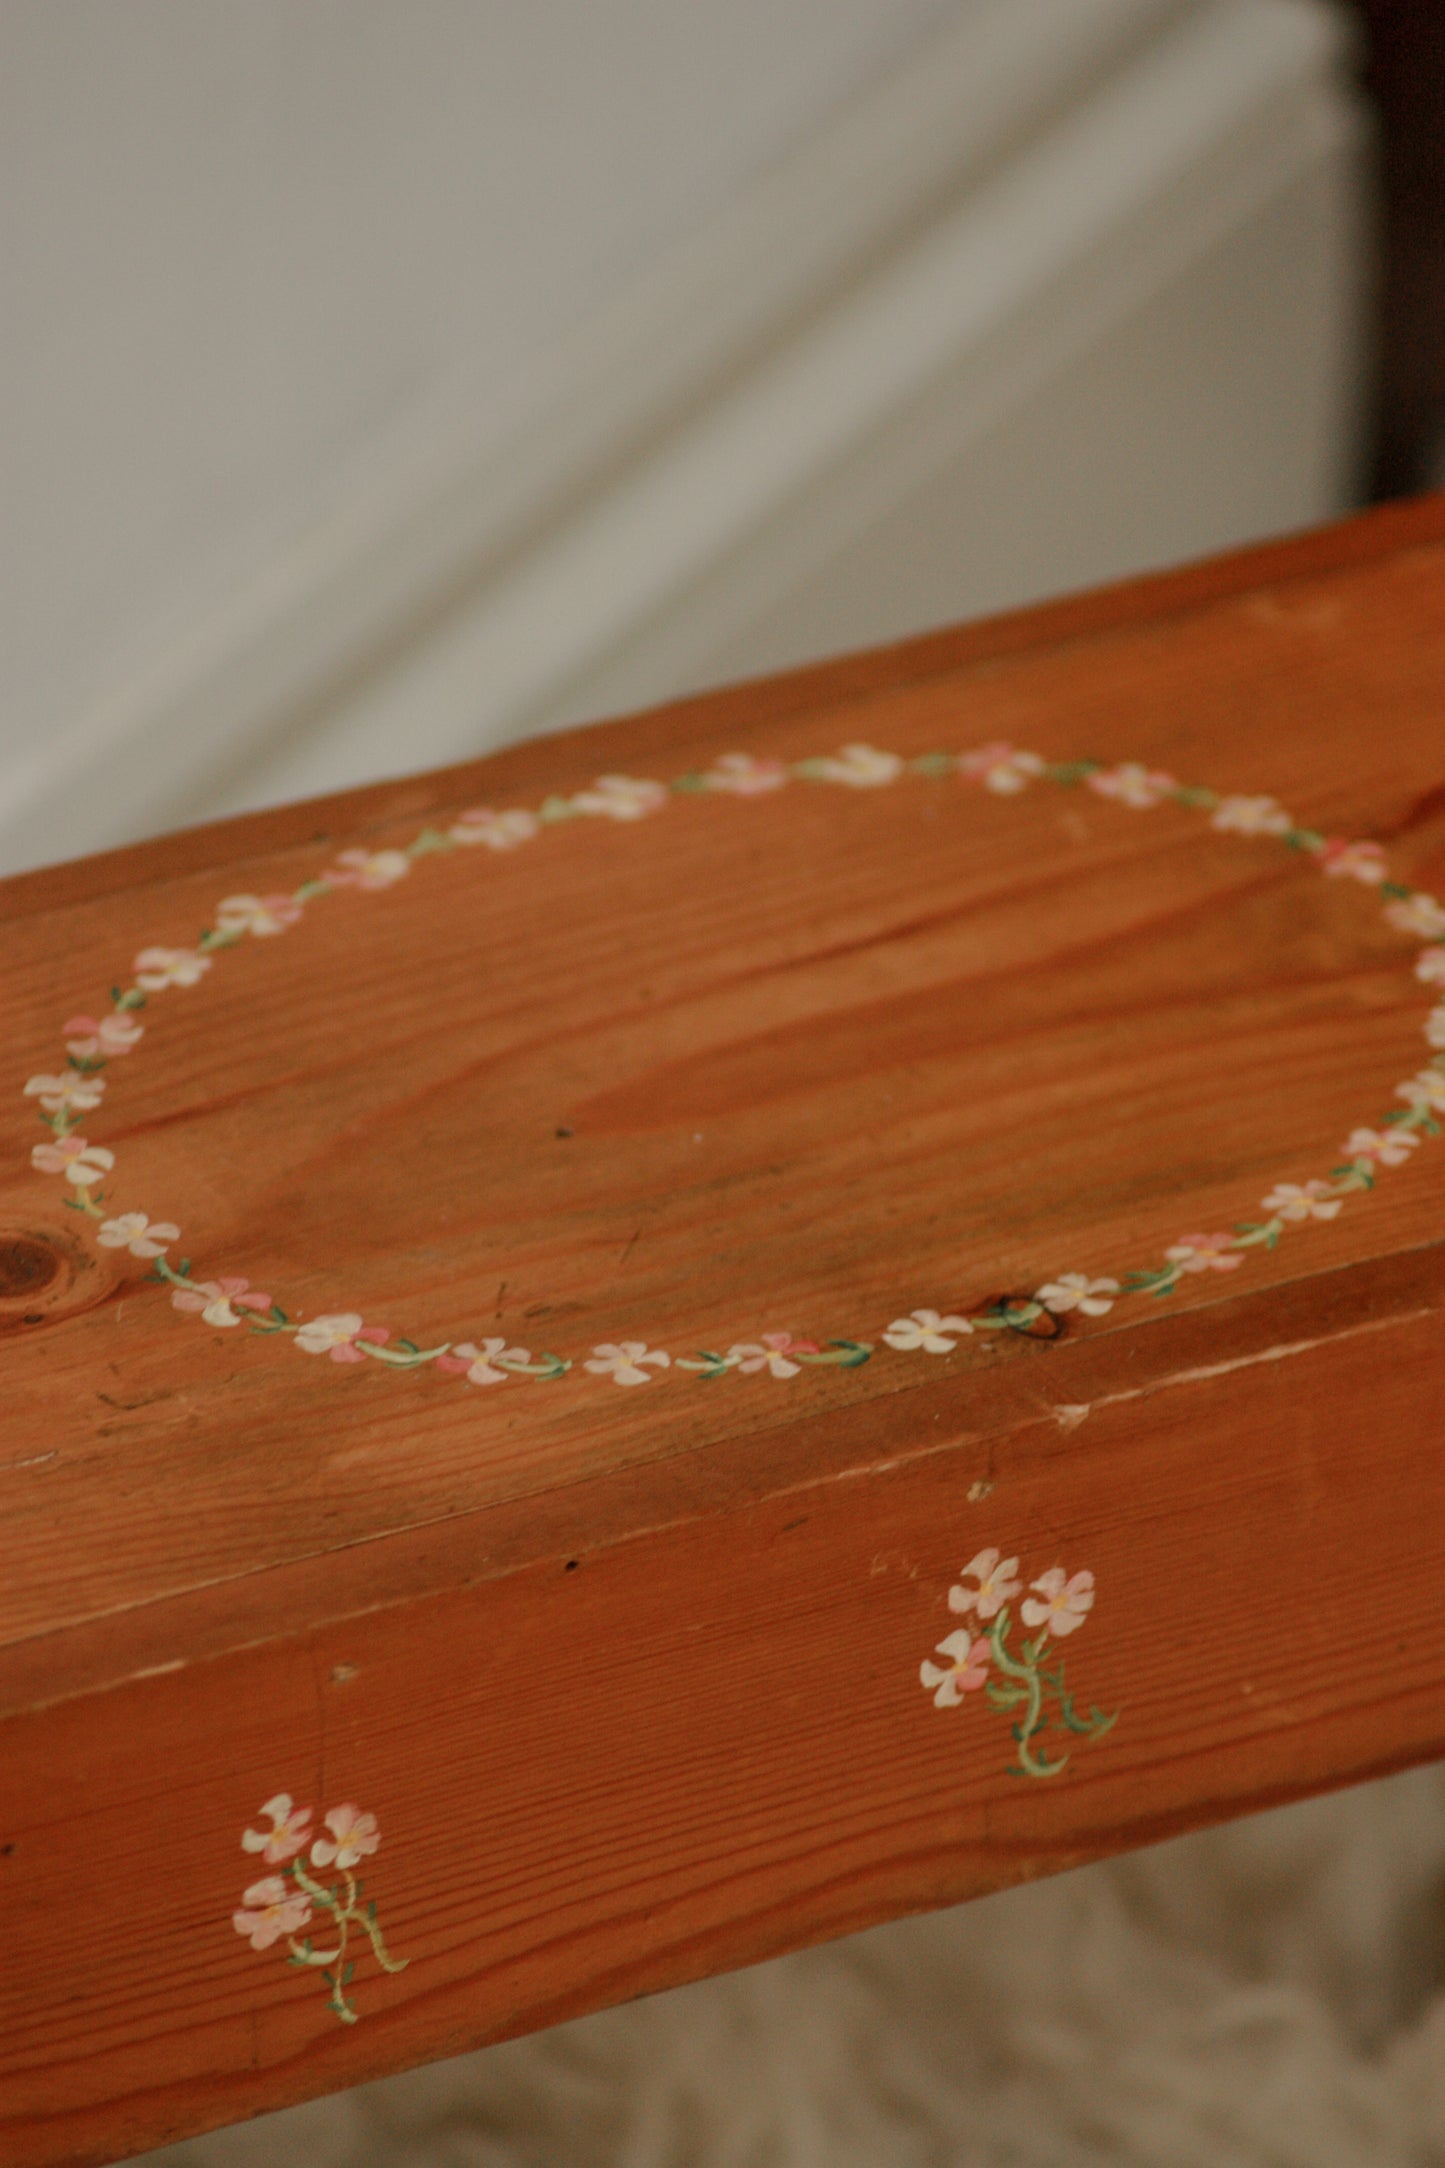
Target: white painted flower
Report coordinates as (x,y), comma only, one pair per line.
(68,1093)
(290,1831)
(1076,1291)
(1302,1201)
(369,869)
(1358,861)
(478,1365)
(862,767)
(1431,966)
(261,915)
(623,1362)
(98,1038)
(1067,1603)
(1000,767)
(79,1162)
(996,1587)
(745,776)
(498,831)
(1133,784)
(1435,1026)
(1419,913)
(354,1836)
(1251,817)
(220,1302)
(622,797)
(340,1329)
(925,1329)
(134,1232)
(1205,1253)
(1425,1090)
(1390,1147)
(965,1673)
(272,1909)
(774,1353)
(159,967)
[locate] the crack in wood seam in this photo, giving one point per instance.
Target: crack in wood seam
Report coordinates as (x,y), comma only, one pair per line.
(1070,1414)
(704,1484)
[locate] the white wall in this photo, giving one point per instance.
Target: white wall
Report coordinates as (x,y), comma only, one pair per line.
(260,254)
(385,377)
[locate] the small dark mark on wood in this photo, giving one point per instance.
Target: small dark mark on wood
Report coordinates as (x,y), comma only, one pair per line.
(563,1132)
(571,1565)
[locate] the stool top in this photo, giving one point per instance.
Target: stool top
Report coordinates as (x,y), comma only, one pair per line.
(529,1128)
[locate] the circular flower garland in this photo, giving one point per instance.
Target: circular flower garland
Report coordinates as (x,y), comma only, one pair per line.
(92,1043)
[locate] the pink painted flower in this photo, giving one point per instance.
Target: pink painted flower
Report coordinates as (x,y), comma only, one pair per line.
(1389,1147)
(498,831)
(1359,861)
(257,914)
(68,1093)
(79,1162)
(369,869)
(623,1362)
(1000,766)
(965,1673)
(1430,966)
(340,1336)
(98,1038)
(1435,1026)
(928,1331)
(1251,817)
(745,776)
(218,1301)
(1066,1604)
(1302,1201)
(861,767)
(1076,1291)
(771,1353)
(1133,784)
(156,968)
(1205,1253)
(478,1365)
(290,1831)
(134,1232)
(622,797)
(1420,914)
(991,1570)
(354,1836)
(273,1909)
(1425,1090)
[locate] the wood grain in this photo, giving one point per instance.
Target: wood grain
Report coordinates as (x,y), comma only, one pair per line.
(630,1677)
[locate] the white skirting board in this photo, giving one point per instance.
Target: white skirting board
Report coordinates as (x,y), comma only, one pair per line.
(1072,290)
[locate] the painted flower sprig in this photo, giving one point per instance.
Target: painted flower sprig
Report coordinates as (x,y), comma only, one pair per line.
(69,1095)
(1028,1679)
(283,1904)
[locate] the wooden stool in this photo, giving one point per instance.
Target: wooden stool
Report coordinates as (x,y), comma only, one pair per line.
(715,1329)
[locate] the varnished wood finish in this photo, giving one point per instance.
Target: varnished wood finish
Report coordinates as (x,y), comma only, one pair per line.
(630,1677)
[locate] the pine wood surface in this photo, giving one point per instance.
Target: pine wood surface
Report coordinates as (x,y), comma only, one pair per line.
(630,1676)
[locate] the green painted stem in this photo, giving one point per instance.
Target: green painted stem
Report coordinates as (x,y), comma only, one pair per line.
(1033,1721)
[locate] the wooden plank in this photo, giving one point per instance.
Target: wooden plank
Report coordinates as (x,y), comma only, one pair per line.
(630,1674)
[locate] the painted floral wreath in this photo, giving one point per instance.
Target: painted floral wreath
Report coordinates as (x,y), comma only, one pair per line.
(92,1043)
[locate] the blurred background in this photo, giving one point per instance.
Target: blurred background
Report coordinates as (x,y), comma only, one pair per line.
(387,379)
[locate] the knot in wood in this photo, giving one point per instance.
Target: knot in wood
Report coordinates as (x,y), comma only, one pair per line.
(28,1265)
